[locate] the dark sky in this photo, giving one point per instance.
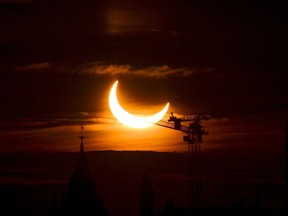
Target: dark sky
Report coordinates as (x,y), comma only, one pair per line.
(58,61)
(50,50)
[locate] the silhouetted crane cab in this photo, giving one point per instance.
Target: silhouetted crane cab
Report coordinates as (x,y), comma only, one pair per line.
(194,131)
(177,121)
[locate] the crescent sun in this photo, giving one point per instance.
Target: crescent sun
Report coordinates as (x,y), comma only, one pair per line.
(128,119)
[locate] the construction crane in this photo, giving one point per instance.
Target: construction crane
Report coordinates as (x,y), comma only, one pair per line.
(193,136)
(193,132)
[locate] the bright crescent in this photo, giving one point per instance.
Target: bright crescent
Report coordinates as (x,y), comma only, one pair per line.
(128,119)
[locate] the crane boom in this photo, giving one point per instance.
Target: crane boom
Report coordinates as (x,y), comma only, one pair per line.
(167,124)
(193,131)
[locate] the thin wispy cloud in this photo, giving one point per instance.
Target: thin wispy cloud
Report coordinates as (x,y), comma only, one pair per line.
(35,67)
(152,71)
(107,69)
(49,121)
(102,69)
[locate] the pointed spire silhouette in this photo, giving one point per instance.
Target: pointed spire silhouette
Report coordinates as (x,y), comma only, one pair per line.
(82,198)
(82,173)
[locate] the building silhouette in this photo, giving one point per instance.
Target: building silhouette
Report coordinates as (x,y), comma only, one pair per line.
(81,198)
(146,197)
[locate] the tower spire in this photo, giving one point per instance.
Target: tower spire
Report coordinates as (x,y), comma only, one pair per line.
(82,197)
(81,138)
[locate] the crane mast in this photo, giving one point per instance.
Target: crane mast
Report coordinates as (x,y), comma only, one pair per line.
(193,136)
